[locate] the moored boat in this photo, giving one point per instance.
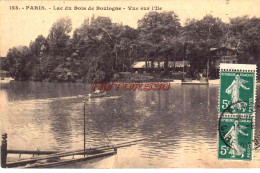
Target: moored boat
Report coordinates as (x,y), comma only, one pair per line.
(97,95)
(54,159)
(5,77)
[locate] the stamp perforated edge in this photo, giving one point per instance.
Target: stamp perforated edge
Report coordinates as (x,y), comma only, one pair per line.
(238,68)
(243,116)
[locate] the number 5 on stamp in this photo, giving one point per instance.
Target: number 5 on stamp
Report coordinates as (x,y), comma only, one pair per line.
(235,138)
(237,89)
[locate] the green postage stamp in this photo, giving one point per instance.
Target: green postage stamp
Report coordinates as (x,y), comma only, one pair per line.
(236,111)
(237,89)
(235,138)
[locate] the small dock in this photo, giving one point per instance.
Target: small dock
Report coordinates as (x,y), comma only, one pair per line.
(188,81)
(195,83)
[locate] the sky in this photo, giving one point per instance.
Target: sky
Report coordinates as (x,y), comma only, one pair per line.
(19,27)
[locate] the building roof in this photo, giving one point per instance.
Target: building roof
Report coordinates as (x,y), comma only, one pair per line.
(178,64)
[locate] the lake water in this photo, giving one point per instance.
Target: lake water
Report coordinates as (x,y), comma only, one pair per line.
(180,124)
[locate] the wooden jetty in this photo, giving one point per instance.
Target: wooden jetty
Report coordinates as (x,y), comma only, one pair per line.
(195,83)
(202,81)
(47,159)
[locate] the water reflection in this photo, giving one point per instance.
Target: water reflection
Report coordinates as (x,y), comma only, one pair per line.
(180,124)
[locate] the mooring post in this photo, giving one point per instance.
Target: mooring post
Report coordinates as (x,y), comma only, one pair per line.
(84,128)
(4,150)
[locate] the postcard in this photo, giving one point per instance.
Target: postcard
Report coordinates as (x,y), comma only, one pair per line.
(130,84)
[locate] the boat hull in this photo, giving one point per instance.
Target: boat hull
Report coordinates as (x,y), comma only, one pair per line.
(96,95)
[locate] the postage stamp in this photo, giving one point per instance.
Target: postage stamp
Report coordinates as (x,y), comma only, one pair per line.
(236,111)
(235,138)
(237,88)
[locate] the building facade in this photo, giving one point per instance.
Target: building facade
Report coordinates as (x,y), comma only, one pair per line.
(220,55)
(140,66)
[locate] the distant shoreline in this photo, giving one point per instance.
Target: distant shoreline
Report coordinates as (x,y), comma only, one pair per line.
(122,80)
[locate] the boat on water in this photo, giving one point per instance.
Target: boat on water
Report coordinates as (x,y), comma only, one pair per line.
(54,159)
(98,94)
(5,77)
(93,95)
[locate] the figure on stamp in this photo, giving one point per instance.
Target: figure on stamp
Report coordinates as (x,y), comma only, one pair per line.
(233,89)
(232,134)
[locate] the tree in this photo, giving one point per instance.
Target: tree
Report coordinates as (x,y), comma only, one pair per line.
(4,65)
(200,36)
(124,47)
(207,29)
(38,46)
(58,38)
(245,35)
(20,62)
(95,41)
(99,48)
(37,49)
(157,30)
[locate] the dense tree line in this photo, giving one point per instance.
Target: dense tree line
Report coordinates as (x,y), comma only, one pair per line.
(98,49)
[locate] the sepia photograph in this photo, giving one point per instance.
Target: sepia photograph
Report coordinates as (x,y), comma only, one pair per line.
(130,84)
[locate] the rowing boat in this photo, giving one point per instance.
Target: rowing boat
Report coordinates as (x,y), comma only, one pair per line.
(94,95)
(58,159)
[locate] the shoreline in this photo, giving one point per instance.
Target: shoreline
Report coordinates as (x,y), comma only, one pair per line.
(171,81)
